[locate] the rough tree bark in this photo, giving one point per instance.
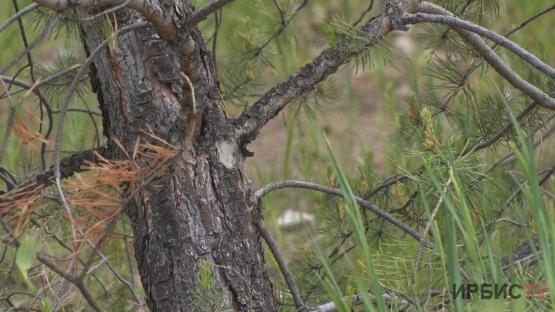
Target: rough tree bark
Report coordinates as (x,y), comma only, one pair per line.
(201,209)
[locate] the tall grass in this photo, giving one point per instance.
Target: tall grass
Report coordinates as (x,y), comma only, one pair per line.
(464,248)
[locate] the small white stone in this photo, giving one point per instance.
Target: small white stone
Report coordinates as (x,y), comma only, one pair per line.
(291,218)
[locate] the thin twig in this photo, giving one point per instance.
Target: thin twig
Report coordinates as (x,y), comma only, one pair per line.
(368,9)
(7,177)
(424,233)
(106,12)
(546,175)
(43,102)
(192,89)
(65,246)
(494,60)
(110,266)
(386,184)
(40,83)
(257,51)
(400,178)
(26,10)
(500,134)
(79,110)
(259,194)
(530,19)
(509,158)
(287,276)
(72,279)
(508,220)
(456,22)
(218,16)
(46,31)
(202,13)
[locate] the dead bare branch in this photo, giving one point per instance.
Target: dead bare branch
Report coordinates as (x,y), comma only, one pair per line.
(259,194)
(287,276)
(494,60)
(78,282)
(456,22)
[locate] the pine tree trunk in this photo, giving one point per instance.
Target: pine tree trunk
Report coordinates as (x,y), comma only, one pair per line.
(200,210)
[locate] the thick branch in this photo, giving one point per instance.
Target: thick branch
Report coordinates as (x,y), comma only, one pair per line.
(327,63)
(456,22)
(337,192)
(494,60)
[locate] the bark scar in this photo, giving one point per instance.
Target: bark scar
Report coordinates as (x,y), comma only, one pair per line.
(226,154)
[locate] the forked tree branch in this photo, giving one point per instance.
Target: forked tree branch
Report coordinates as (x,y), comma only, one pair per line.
(494,60)
(327,63)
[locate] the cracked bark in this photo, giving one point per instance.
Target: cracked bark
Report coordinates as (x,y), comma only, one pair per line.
(200,210)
